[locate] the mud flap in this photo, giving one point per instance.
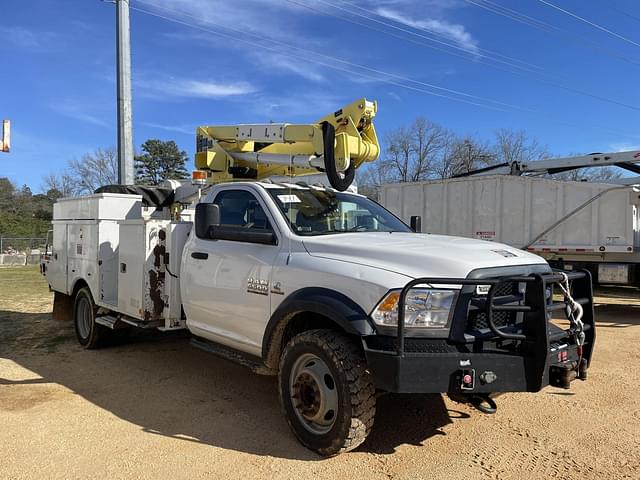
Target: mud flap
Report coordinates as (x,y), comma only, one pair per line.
(62,307)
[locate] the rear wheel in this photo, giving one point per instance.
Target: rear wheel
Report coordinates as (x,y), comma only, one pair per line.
(326,392)
(88,332)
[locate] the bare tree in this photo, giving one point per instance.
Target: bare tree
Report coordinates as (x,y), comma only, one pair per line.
(371,176)
(95,170)
(398,154)
(63,183)
(461,155)
(412,152)
(429,141)
(516,146)
(85,175)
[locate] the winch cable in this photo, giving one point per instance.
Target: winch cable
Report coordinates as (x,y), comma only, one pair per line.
(574,313)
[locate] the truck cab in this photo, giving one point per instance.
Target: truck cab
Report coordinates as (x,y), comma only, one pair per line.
(268,264)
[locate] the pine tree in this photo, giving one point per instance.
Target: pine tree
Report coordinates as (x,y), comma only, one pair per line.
(160,161)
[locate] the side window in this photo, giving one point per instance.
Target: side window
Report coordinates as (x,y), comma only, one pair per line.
(240,208)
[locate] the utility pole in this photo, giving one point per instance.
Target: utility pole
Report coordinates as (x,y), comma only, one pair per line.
(123,53)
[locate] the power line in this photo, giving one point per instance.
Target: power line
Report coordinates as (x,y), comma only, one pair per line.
(483,53)
(467,55)
(622,12)
(589,22)
(345,70)
(549,28)
(549,80)
(441,35)
(497,105)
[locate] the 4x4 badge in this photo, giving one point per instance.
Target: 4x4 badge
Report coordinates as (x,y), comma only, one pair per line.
(277,288)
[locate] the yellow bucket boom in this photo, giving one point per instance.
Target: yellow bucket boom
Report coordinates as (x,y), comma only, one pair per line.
(337,144)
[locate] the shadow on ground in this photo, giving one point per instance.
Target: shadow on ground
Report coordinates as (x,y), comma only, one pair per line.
(161,383)
(617,316)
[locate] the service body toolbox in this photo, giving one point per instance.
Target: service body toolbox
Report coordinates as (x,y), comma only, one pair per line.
(119,248)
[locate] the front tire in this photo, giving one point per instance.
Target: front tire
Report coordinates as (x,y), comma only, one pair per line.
(89,333)
(326,392)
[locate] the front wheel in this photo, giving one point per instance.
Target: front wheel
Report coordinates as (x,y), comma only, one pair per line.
(326,392)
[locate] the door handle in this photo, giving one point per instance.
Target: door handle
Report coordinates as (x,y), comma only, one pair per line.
(199,255)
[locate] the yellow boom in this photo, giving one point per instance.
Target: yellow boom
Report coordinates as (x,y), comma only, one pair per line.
(337,144)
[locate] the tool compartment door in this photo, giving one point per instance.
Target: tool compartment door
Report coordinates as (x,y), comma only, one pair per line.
(108,240)
(57,266)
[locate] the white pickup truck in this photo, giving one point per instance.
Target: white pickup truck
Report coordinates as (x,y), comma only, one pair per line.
(325,289)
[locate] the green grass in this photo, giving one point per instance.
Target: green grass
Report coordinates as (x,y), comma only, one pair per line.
(25,313)
(22,286)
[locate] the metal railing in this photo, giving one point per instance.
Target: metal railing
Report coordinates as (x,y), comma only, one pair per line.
(536,304)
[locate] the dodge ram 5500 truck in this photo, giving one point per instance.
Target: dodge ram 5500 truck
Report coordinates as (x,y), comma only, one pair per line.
(325,289)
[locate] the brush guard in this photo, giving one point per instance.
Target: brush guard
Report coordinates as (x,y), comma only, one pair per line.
(525,356)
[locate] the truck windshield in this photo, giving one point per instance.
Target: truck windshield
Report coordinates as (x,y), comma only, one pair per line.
(322,212)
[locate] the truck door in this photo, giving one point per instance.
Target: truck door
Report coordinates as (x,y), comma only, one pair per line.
(226,283)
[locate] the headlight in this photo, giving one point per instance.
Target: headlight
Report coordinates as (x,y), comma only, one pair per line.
(425,308)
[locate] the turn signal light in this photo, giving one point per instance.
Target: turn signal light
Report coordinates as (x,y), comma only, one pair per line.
(198,177)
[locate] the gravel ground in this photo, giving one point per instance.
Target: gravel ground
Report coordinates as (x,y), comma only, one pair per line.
(154,407)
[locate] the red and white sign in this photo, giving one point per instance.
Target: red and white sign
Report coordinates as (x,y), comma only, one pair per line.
(486,235)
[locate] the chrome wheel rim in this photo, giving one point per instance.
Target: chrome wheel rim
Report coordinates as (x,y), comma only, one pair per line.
(314,395)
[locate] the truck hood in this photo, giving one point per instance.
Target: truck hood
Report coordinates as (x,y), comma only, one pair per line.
(418,255)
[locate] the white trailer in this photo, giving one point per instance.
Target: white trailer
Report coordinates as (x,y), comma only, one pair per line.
(571,224)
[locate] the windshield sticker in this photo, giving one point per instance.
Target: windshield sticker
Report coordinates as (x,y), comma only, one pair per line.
(289,198)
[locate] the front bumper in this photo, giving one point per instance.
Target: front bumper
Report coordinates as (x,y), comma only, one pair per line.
(524,357)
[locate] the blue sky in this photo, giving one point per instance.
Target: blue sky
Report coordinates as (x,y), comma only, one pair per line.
(566,82)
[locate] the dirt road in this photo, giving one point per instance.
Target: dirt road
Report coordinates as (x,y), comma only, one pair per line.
(154,407)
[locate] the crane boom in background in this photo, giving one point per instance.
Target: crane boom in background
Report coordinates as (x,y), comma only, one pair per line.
(626,160)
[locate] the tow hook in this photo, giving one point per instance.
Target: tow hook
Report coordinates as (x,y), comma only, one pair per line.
(481,401)
(484,403)
(562,375)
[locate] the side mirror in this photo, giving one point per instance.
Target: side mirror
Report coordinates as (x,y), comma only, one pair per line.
(416,223)
(207,216)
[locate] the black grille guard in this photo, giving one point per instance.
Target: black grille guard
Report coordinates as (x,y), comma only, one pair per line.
(536,305)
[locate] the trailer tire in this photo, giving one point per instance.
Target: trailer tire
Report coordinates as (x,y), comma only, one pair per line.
(326,392)
(89,333)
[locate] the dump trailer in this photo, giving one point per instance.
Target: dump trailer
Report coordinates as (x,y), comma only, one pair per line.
(574,225)
(321,287)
